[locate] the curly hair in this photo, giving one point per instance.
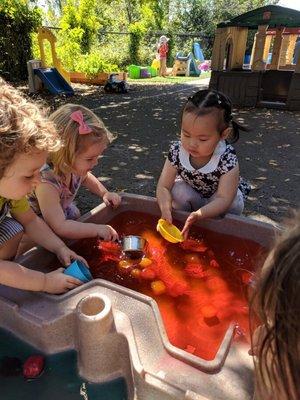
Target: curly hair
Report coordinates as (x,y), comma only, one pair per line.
(73,143)
(24,127)
(277,297)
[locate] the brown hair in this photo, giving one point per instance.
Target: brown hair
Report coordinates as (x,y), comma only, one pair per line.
(278,299)
(23,127)
(63,160)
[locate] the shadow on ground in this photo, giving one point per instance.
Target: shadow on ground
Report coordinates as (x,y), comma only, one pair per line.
(146,120)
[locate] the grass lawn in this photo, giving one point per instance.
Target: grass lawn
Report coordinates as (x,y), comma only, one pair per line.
(170,79)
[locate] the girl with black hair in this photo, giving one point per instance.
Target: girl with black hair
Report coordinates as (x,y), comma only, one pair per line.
(201,173)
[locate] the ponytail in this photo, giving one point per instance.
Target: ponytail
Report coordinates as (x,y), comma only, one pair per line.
(235,133)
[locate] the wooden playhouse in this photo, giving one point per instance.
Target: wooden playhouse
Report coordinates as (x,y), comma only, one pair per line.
(272,77)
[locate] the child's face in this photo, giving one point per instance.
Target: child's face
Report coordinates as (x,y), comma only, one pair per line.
(23,175)
(86,160)
(199,135)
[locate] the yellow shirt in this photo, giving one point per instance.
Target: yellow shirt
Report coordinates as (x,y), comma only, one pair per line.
(15,206)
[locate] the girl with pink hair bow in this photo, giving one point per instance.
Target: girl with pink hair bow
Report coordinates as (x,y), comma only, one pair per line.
(84,138)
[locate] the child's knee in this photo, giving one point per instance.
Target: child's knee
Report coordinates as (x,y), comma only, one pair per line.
(180,196)
(9,249)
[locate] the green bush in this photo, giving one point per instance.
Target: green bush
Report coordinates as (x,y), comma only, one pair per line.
(93,63)
(137,31)
(68,47)
(15,40)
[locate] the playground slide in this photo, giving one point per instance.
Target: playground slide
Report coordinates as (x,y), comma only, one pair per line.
(53,81)
(198,52)
(193,67)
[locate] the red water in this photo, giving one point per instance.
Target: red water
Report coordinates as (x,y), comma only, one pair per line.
(205,279)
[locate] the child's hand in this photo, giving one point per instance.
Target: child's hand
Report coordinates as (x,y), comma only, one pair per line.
(191,219)
(112,199)
(167,215)
(106,232)
(66,256)
(56,282)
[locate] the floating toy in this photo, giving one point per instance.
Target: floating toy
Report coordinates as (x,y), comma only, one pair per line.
(33,366)
(148,274)
(169,231)
(125,264)
(195,271)
(135,273)
(177,288)
(145,262)
(79,270)
(158,287)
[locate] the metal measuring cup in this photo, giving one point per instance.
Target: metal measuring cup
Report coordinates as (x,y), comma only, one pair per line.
(133,246)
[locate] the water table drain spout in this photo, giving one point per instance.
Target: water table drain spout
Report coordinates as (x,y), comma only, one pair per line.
(95,322)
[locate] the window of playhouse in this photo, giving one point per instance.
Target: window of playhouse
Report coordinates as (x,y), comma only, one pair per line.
(227,56)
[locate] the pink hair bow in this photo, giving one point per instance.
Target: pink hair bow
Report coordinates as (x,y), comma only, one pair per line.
(77,116)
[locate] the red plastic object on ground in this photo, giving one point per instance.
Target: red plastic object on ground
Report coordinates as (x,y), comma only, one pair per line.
(33,366)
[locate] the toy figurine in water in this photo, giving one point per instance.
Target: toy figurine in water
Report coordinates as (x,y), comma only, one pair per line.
(114,85)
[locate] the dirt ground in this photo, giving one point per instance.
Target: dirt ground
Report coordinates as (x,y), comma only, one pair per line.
(146,120)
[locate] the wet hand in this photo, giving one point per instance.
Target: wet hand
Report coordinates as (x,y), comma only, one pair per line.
(106,232)
(66,256)
(112,199)
(56,282)
(191,219)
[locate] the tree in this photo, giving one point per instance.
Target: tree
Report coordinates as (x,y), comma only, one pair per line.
(19,20)
(80,14)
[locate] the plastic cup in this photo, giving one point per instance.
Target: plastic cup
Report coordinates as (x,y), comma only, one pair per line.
(79,271)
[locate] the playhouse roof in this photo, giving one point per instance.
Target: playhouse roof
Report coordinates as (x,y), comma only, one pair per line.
(268,15)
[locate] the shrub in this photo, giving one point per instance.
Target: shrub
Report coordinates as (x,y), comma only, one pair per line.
(15,40)
(93,63)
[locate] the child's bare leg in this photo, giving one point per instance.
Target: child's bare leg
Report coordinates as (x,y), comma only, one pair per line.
(185,198)
(25,244)
(8,250)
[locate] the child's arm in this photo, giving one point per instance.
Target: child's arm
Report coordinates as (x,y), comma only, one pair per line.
(225,195)
(53,214)
(15,275)
(95,186)
(41,234)
(163,190)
